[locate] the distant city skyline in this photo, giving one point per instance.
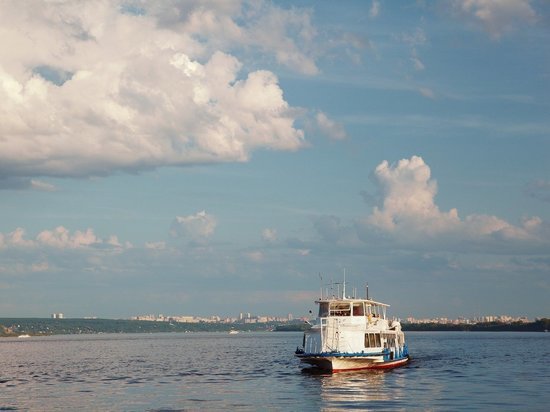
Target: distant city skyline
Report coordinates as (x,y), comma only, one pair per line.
(264,318)
(203,157)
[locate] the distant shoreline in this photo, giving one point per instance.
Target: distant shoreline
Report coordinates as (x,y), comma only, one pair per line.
(13,327)
(540,325)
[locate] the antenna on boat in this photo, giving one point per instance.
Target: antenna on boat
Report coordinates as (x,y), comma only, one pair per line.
(321,281)
(367,291)
(344,285)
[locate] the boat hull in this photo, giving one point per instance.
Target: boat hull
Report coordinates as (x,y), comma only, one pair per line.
(351,363)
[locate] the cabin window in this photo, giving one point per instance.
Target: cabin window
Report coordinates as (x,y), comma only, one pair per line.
(358,309)
(373,311)
(372,340)
(340,309)
(323,309)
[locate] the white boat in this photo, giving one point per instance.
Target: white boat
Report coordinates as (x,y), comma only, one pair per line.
(353,333)
(233,332)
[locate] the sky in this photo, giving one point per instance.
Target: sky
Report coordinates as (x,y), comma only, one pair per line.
(217,157)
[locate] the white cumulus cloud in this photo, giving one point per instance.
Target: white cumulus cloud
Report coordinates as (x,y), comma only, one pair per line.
(269,235)
(95,87)
(329,127)
(59,238)
(408,198)
(62,238)
(197,227)
(17,239)
(498,16)
(407,212)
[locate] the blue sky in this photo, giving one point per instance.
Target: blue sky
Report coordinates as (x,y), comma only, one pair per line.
(214,157)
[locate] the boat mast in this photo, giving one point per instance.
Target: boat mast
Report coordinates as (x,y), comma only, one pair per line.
(344,285)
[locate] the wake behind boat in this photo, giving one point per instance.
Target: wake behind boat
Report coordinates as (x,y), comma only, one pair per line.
(352,334)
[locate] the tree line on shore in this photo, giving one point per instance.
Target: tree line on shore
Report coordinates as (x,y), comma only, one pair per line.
(72,326)
(540,325)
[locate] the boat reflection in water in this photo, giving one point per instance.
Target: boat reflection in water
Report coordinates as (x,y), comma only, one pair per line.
(360,389)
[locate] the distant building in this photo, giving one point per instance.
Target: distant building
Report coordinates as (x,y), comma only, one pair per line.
(466,321)
(57,316)
(243,317)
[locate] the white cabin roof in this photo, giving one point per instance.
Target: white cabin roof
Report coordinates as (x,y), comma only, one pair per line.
(352,300)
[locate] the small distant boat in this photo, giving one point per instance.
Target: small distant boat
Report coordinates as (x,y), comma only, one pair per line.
(353,334)
(24,336)
(233,332)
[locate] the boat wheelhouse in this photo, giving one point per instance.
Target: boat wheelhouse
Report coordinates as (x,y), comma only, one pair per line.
(353,333)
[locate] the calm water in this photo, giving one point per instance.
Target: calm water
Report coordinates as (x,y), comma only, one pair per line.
(256,371)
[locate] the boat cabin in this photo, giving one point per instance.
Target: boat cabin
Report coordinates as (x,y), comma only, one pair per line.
(351,307)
